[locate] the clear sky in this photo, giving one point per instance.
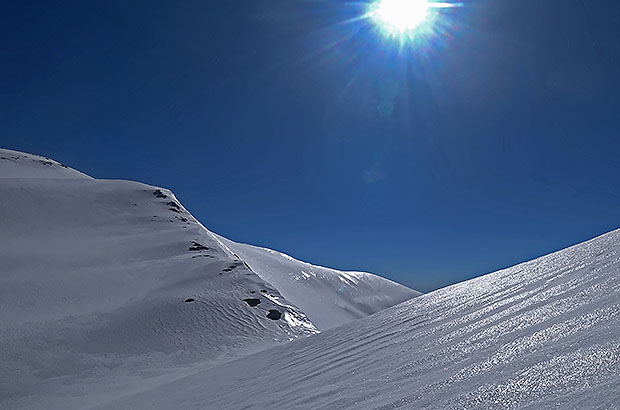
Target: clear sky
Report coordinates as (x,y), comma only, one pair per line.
(294,125)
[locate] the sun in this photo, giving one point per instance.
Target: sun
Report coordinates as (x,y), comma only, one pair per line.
(405,18)
(400,16)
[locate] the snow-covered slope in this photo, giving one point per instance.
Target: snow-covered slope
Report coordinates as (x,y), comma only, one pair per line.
(328,296)
(543,334)
(111,287)
(102,282)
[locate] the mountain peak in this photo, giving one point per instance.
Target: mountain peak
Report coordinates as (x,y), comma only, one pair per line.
(15,164)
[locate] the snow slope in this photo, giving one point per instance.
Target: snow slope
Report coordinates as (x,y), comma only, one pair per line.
(104,281)
(108,288)
(328,296)
(542,334)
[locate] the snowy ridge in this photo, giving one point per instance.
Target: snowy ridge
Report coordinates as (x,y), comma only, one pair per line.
(542,334)
(15,164)
(328,296)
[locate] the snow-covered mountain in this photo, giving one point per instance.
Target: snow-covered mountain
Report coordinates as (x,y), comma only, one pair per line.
(110,287)
(112,296)
(328,296)
(543,334)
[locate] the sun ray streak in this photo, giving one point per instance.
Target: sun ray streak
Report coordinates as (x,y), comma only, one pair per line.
(437,5)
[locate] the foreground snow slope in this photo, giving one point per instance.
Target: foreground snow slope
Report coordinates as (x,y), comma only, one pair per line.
(328,296)
(543,334)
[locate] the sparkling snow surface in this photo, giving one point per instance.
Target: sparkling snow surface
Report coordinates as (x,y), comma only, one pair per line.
(108,288)
(543,334)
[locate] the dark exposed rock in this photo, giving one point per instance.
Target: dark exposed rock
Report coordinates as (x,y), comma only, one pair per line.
(274,314)
(160,194)
(188,300)
(198,247)
(252,291)
(263,290)
(233,266)
(252,301)
(173,204)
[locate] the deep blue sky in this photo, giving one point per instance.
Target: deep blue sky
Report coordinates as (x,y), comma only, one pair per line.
(277,124)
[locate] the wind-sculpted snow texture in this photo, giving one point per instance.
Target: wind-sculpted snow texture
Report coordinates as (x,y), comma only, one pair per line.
(108,285)
(328,296)
(543,334)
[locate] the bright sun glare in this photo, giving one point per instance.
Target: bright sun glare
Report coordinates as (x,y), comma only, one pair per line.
(400,16)
(405,18)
